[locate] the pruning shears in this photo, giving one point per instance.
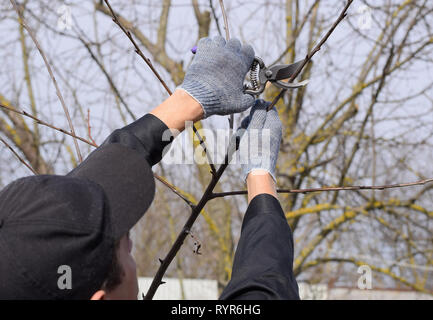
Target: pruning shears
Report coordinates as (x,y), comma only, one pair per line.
(259,75)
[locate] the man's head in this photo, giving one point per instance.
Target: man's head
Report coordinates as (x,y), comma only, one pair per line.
(60,239)
(121,282)
(66,237)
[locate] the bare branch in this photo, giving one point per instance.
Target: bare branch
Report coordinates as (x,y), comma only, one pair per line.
(226,27)
(165,263)
(207,195)
(347,188)
(226,23)
(18,156)
(89,129)
(41,122)
(215,17)
(163,20)
(137,48)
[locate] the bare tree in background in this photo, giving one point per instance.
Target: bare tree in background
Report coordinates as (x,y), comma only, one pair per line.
(364,119)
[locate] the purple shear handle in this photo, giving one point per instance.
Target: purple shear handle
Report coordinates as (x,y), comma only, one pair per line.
(194,49)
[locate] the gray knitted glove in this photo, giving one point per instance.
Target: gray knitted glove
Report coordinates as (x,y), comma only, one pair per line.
(260,143)
(216,75)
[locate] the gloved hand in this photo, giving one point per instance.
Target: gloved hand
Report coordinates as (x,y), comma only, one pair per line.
(216,75)
(260,140)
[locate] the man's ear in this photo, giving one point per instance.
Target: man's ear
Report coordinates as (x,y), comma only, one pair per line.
(98,295)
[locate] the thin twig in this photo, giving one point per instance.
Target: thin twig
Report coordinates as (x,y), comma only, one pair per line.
(174,189)
(47,64)
(18,156)
(215,17)
(89,130)
(137,48)
(226,22)
(43,123)
(347,188)
(107,76)
(226,27)
(203,145)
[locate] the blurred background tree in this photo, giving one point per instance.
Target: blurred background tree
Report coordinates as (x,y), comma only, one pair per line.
(365,118)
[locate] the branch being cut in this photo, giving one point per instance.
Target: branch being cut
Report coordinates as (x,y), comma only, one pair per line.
(226,27)
(313,52)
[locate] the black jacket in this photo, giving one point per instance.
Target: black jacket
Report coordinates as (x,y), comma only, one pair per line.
(263,264)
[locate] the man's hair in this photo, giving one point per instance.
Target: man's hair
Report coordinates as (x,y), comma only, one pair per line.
(115,272)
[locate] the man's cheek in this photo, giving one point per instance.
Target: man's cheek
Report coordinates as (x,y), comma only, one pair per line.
(130,245)
(133,277)
(132,267)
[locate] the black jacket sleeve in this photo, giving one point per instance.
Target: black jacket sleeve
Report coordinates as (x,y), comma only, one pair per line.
(148,135)
(263,264)
(122,167)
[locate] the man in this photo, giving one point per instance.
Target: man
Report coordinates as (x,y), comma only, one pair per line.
(67,237)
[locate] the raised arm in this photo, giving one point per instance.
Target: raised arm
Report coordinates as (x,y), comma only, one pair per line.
(263,264)
(213,84)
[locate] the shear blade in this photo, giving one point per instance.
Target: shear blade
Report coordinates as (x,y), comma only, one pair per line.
(291,85)
(285,71)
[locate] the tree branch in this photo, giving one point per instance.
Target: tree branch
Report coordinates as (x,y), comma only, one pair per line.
(215,17)
(226,22)
(347,188)
(18,156)
(118,21)
(203,20)
(41,122)
(163,21)
(174,68)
